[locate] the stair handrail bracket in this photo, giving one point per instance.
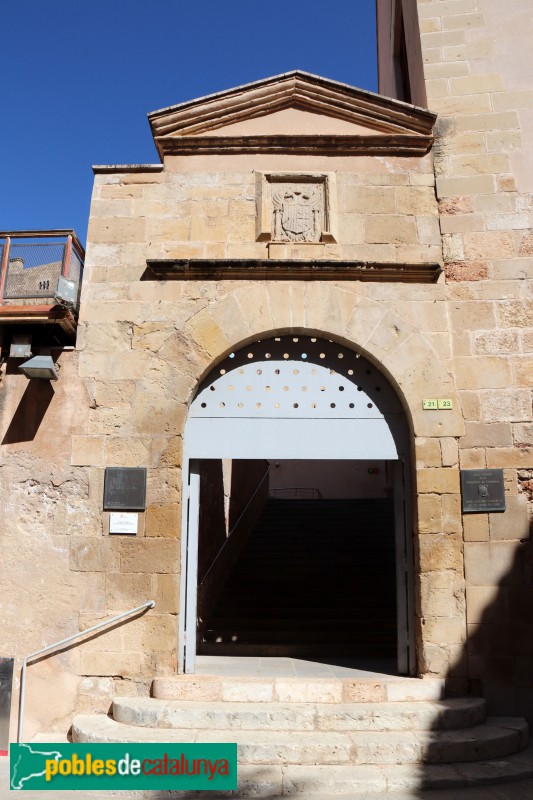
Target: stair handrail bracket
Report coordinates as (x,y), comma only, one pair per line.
(137,610)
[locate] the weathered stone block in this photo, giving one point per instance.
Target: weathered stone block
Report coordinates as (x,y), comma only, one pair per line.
(484,244)
(128,365)
(519,457)
(472,316)
(149,555)
(510,406)
(523,434)
(125,591)
(451,513)
(390,228)
(440,552)
(523,371)
(496,342)
(439,481)
(472,458)
(87,451)
(116,229)
(164,520)
(492,564)
(513,523)
(483,372)
(481,604)
(127,451)
(166,592)
(445,630)
(418,200)
(88,554)
(479,434)
(429,514)
(476,527)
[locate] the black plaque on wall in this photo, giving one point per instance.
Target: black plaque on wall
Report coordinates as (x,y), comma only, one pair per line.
(482,491)
(125,489)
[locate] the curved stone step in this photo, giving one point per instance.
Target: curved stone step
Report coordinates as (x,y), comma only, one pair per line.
(267,746)
(297,690)
(318,780)
(446,714)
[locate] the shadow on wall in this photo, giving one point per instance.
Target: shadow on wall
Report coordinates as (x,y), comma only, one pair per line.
(497,656)
(30,412)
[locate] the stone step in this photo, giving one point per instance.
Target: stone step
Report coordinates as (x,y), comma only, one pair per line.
(452,714)
(397,755)
(296,690)
(382,748)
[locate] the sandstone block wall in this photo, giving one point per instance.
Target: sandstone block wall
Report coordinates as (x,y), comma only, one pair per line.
(477,64)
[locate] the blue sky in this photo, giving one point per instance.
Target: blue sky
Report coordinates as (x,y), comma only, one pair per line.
(78,77)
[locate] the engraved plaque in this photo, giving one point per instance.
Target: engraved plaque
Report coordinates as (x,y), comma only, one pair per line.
(125,489)
(123,522)
(482,491)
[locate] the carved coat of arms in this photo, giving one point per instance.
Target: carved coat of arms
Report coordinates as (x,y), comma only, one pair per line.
(297,214)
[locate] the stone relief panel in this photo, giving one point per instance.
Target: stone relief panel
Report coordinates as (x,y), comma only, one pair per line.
(296,208)
(297,212)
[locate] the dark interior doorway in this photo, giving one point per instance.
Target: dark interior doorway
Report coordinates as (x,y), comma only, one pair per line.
(311,571)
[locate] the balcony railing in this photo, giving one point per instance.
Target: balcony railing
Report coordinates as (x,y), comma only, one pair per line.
(40,271)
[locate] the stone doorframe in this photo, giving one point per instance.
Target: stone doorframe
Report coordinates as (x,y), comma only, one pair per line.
(304,397)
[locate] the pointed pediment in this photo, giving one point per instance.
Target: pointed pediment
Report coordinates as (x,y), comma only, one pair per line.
(298,112)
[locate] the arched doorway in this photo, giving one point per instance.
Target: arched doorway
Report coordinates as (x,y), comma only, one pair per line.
(297,399)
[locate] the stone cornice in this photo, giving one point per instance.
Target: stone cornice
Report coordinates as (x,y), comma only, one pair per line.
(187,128)
(293,269)
(397,145)
(113,168)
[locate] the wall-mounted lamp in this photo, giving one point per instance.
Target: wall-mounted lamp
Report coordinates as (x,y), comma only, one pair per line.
(20,346)
(40,367)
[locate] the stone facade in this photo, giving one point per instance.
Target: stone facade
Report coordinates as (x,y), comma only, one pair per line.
(384,195)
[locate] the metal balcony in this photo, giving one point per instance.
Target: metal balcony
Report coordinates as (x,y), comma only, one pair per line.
(40,277)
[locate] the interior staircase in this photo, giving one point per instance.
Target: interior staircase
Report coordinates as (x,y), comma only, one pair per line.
(325,738)
(316,577)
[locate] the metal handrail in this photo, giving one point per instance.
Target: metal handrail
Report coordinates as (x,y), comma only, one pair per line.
(212,564)
(149,604)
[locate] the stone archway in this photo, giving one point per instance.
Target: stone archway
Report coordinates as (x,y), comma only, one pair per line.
(296,397)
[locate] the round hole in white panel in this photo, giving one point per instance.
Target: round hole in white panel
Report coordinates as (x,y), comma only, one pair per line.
(248,369)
